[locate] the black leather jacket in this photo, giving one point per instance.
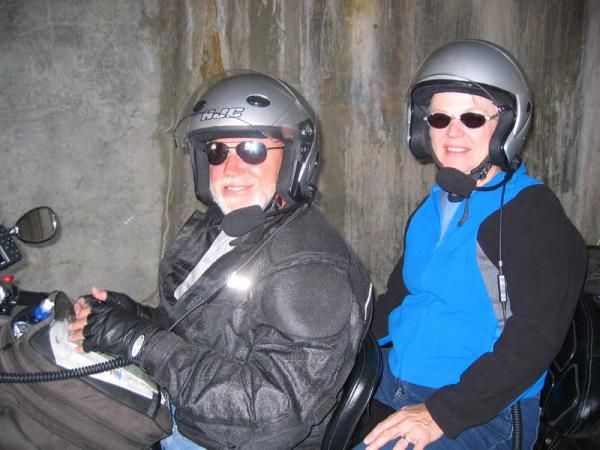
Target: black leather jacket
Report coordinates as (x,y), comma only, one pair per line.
(259,368)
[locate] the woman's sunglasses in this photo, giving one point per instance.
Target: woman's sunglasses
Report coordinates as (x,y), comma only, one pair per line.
(469,119)
(250,152)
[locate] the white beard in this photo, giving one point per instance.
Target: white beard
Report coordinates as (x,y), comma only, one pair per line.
(260,198)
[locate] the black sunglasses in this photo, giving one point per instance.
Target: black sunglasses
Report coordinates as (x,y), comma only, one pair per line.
(469,119)
(250,152)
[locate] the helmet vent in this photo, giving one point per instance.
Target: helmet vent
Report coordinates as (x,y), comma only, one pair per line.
(259,101)
(198,106)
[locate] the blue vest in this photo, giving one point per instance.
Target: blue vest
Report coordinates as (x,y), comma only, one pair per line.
(447,321)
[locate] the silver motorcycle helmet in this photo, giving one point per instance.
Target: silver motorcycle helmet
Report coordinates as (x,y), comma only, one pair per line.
(247,104)
(480,68)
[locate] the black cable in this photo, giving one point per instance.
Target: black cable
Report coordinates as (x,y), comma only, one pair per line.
(515,409)
(517,438)
(59,375)
(502,288)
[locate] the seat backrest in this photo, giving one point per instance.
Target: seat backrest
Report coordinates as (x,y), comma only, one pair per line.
(571,397)
(355,395)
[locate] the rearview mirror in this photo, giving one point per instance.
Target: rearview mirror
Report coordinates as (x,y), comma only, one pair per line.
(36,226)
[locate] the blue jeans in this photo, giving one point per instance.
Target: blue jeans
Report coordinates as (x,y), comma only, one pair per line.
(176,440)
(493,435)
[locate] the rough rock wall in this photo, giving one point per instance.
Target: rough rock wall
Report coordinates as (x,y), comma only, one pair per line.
(89,93)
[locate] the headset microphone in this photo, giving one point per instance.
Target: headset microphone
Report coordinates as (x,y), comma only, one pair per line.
(458,185)
(241,221)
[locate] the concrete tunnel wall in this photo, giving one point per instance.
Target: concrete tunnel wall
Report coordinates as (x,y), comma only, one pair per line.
(89,93)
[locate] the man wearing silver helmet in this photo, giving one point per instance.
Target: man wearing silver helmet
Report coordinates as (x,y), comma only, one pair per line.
(482,298)
(262,304)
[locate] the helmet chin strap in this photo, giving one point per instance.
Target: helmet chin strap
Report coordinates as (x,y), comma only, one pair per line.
(481,171)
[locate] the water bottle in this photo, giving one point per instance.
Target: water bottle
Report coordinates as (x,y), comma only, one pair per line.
(42,311)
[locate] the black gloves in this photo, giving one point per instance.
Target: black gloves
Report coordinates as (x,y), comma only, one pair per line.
(117,330)
(125,302)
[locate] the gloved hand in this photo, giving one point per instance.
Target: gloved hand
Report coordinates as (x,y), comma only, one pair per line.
(115,330)
(125,302)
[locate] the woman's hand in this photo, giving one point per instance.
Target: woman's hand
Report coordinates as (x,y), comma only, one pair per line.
(412,424)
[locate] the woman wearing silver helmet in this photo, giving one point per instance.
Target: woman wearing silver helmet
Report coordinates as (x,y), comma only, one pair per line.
(483,296)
